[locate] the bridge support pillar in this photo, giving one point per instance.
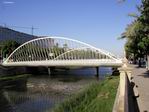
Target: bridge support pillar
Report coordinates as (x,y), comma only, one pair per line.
(49,71)
(97,71)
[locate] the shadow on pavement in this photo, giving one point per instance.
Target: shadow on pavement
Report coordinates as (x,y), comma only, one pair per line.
(145,75)
(133,104)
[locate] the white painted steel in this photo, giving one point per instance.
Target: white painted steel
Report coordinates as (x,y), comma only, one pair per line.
(68,63)
(59,51)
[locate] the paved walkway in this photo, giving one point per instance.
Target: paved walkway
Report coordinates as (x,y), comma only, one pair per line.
(141,78)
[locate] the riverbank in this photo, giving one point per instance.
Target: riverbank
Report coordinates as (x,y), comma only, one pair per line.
(97,97)
(43,93)
(15,82)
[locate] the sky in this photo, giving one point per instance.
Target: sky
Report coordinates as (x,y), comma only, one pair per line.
(96,22)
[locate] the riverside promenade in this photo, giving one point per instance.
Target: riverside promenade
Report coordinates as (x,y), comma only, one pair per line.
(141,78)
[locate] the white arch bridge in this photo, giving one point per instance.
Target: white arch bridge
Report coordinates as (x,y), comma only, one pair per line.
(59,51)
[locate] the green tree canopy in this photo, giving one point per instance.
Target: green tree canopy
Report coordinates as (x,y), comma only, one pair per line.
(137,33)
(8,47)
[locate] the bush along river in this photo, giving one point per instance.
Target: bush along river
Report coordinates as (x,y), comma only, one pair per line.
(41,93)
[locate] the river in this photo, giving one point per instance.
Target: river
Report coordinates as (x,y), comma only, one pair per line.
(44,92)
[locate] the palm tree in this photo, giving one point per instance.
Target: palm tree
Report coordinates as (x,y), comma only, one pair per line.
(133,47)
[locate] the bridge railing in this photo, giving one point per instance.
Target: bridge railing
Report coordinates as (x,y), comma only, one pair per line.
(127,93)
(56,48)
(121,102)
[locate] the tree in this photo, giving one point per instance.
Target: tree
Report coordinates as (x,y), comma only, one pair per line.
(144,19)
(8,47)
(132,46)
(137,34)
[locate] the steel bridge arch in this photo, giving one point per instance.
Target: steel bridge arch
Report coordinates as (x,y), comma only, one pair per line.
(54,41)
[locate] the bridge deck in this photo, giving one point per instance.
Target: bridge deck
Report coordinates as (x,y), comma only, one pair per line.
(88,62)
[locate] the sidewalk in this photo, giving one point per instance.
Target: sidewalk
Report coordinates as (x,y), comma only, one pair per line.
(141,78)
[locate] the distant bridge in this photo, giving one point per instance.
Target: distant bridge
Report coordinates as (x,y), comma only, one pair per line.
(61,52)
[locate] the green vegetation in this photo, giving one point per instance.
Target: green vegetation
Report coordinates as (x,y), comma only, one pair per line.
(97,97)
(8,47)
(15,82)
(15,77)
(137,34)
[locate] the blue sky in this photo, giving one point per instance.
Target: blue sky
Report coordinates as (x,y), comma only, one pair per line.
(96,22)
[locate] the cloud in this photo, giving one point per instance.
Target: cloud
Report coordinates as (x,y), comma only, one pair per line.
(8,2)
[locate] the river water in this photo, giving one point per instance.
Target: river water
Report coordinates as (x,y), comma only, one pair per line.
(44,92)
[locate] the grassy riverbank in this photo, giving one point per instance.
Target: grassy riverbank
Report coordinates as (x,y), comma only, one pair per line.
(14,77)
(98,97)
(15,82)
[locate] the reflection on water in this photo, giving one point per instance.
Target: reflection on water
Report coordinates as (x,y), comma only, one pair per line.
(44,92)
